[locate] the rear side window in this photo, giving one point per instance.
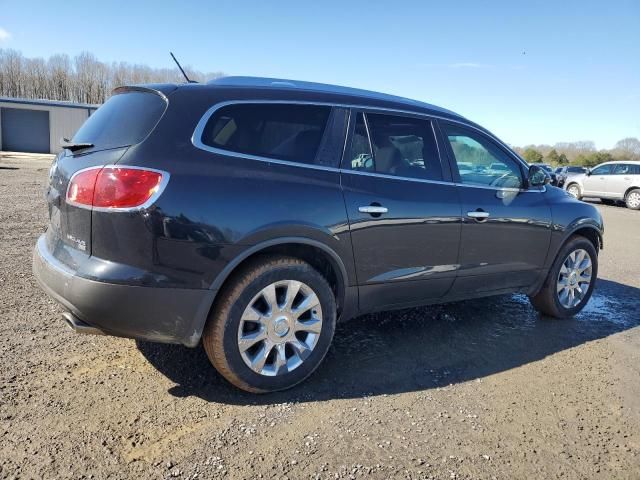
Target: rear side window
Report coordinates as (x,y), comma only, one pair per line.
(402,146)
(625,169)
(278,131)
(125,119)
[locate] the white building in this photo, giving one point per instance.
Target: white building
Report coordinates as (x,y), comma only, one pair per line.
(37,125)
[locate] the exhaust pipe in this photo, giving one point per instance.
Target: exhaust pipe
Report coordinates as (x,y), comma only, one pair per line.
(79,326)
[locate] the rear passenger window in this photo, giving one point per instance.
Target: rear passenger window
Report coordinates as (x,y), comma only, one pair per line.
(401,146)
(278,131)
(623,169)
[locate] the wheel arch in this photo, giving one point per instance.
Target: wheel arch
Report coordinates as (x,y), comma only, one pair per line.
(584,228)
(590,233)
(322,257)
(629,190)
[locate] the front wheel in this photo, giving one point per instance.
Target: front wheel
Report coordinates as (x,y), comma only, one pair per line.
(570,281)
(574,191)
(273,325)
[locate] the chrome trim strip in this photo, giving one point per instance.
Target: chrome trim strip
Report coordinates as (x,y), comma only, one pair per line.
(196,138)
(395,177)
(144,206)
(440,182)
(366,127)
(346,138)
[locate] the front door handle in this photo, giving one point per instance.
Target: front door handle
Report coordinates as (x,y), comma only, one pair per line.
(478,215)
(373,209)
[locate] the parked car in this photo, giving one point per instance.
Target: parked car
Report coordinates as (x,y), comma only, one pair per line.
(611,182)
(252,214)
(563,173)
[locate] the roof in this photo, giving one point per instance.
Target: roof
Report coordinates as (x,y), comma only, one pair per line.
(47,103)
(297,85)
(633,162)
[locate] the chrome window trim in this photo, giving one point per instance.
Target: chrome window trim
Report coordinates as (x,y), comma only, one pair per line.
(395,177)
(439,182)
(346,137)
(366,127)
(196,140)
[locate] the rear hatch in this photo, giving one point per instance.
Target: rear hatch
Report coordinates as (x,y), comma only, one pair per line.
(126,119)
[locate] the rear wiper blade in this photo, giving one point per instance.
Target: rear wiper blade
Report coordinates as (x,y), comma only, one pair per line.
(69,145)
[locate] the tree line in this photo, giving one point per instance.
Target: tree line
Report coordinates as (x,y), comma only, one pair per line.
(582,153)
(86,79)
(83,78)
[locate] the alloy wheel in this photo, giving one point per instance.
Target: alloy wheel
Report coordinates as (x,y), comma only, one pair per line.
(574,278)
(574,191)
(633,200)
(280,327)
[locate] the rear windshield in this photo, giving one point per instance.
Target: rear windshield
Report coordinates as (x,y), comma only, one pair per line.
(125,119)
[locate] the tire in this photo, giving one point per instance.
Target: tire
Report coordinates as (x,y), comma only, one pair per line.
(548,300)
(632,200)
(574,190)
(244,311)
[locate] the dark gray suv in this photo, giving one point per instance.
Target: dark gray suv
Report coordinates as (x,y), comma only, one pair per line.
(252,214)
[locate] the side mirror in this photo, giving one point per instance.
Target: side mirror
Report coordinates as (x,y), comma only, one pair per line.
(588,172)
(538,176)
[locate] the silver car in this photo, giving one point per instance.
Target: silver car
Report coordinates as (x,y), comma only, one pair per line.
(611,182)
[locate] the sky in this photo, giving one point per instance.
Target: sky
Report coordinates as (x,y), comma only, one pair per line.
(531,72)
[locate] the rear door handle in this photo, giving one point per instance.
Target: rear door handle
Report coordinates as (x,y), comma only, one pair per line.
(373,209)
(478,215)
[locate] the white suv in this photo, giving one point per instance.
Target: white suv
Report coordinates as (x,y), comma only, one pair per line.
(610,182)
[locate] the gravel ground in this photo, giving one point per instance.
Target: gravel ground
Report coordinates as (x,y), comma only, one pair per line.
(478,389)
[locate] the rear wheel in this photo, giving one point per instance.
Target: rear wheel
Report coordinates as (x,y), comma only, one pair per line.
(574,191)
(632,200)
(273,325)
(570,281)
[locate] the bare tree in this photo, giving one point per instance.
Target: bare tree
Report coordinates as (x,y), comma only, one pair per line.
(85,79)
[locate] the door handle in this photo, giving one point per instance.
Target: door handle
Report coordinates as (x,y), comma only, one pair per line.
(373,209)
(478,215)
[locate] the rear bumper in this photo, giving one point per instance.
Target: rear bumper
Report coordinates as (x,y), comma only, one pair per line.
(171,315)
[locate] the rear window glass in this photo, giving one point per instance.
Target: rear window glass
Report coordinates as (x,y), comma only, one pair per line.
(278,131)
(124,119)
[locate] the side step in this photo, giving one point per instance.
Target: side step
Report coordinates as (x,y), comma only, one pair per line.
(79,326)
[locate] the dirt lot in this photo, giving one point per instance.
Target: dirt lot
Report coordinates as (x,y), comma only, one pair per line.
(478,389)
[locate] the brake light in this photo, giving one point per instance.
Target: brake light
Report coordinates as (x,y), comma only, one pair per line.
(115,188)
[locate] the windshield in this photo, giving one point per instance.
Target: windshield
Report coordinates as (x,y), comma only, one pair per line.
(125,119)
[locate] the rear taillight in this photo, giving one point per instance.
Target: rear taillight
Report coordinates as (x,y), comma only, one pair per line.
(114,188)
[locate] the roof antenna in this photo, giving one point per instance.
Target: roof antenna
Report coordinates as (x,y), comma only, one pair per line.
(181,69)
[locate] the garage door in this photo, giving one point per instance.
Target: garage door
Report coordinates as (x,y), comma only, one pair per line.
(24,130)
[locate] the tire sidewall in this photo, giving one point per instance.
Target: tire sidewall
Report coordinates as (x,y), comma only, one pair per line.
(575,244)
(313,279)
